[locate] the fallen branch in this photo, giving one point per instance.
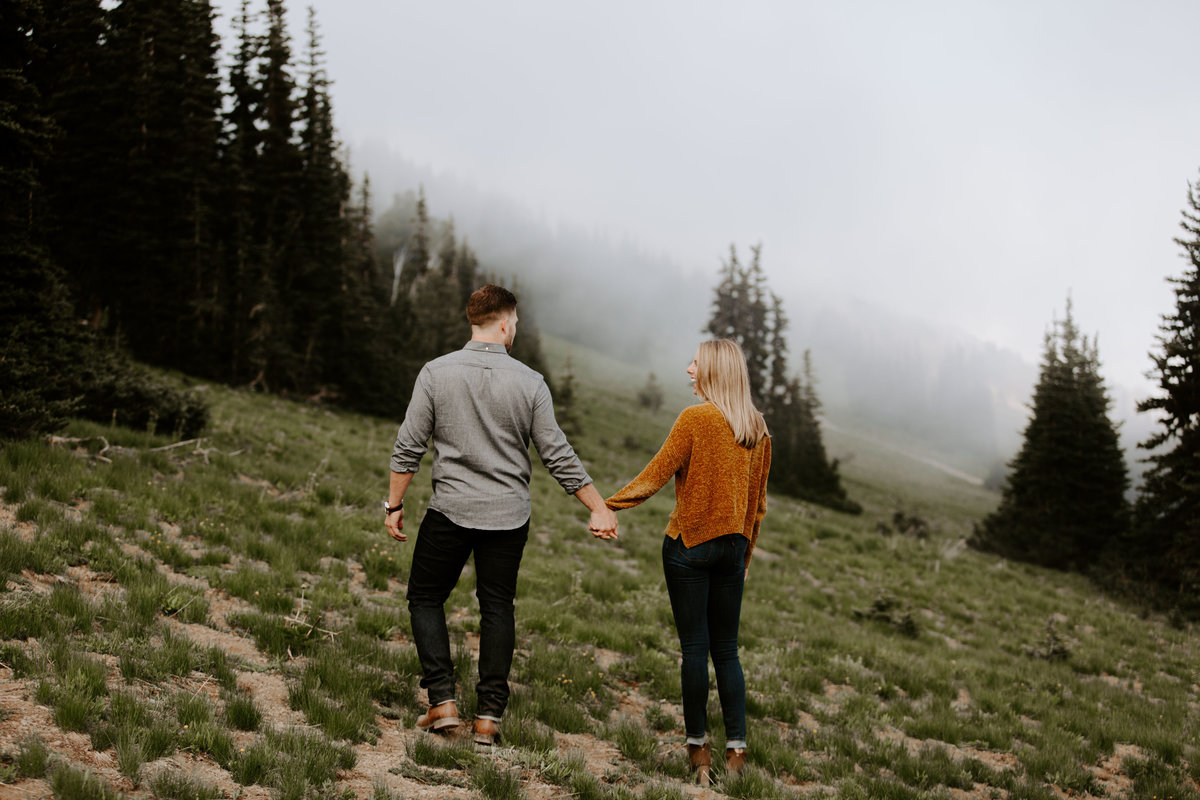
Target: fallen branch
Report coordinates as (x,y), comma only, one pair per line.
(173,446)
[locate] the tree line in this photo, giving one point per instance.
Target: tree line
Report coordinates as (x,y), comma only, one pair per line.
(1064,503)
(198,217)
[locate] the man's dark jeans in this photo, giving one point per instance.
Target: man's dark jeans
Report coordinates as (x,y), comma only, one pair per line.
(440,553)
(705,584)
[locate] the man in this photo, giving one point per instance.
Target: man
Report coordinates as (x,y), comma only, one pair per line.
(482,408)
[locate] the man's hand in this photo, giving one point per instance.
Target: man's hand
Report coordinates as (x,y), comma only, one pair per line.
(603,524)
(397,486)
(394,522)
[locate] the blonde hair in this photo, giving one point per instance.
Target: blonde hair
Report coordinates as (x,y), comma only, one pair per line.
(722,379)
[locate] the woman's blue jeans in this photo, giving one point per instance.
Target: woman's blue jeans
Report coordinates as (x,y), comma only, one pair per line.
(441,552)
(705,584)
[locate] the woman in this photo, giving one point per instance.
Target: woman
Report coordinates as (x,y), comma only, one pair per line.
(719,454)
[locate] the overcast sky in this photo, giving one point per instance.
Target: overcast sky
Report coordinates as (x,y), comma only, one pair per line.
(965,163)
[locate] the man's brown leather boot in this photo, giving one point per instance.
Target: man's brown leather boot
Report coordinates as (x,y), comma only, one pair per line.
(487,731)
(442,718)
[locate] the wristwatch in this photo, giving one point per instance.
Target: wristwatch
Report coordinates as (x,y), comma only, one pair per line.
(389,510)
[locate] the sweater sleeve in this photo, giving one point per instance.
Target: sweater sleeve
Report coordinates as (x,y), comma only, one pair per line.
(669,459)
(757,504)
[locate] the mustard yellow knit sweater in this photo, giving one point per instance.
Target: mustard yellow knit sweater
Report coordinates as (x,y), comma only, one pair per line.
(720,486)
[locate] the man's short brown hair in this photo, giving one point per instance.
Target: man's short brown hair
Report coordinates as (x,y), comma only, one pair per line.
(489,303)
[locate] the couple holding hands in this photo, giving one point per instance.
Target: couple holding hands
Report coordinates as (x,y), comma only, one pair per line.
(482,408)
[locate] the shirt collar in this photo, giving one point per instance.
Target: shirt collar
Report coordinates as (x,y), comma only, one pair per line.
(488,347)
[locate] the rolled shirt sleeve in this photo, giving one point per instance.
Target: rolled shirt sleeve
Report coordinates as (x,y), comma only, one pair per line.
(412,440)
(556,453)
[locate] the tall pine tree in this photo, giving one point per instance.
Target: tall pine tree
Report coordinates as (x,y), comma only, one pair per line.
(36,323)
(1168,510)
(1064,502)
(746,311)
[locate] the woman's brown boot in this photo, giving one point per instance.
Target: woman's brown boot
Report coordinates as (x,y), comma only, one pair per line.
(735,759)
(700,758)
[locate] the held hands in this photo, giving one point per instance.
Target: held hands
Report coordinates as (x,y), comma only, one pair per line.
(394,522)
(603,523)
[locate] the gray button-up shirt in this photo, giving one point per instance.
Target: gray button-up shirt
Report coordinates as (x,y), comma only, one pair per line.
(483,407)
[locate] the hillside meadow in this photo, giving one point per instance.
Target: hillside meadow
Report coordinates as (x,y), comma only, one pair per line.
(225,617)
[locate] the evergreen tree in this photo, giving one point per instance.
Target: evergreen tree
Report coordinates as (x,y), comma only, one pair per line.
(757,332)
(235,317)
(1064,501)
(419,247)
(36,325)
(566,408)
(740,311)
(651,395)
(279,335)
(325,192)
(527,347)
(778,378)
(800,465)
(723,322)
(1168,510)
(76,78)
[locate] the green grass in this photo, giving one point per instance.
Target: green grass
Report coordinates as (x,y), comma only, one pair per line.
(69,783)
(241,712)
(172,784)
(32,758)
(875,664)
(495,782)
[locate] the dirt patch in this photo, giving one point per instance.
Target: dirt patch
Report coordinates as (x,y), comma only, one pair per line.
(835,691)
(26,718)
(231,643)
(605,659)
(25,531)
(991,759)
(388,751)
(269,692)
(205,771)
(1108,773)
(598,756)
(1128,684)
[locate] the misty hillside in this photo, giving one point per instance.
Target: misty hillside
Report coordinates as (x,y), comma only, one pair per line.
(225,617)
(945,393)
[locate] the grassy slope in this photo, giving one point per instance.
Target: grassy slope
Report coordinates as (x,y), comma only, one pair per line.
(244,588)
